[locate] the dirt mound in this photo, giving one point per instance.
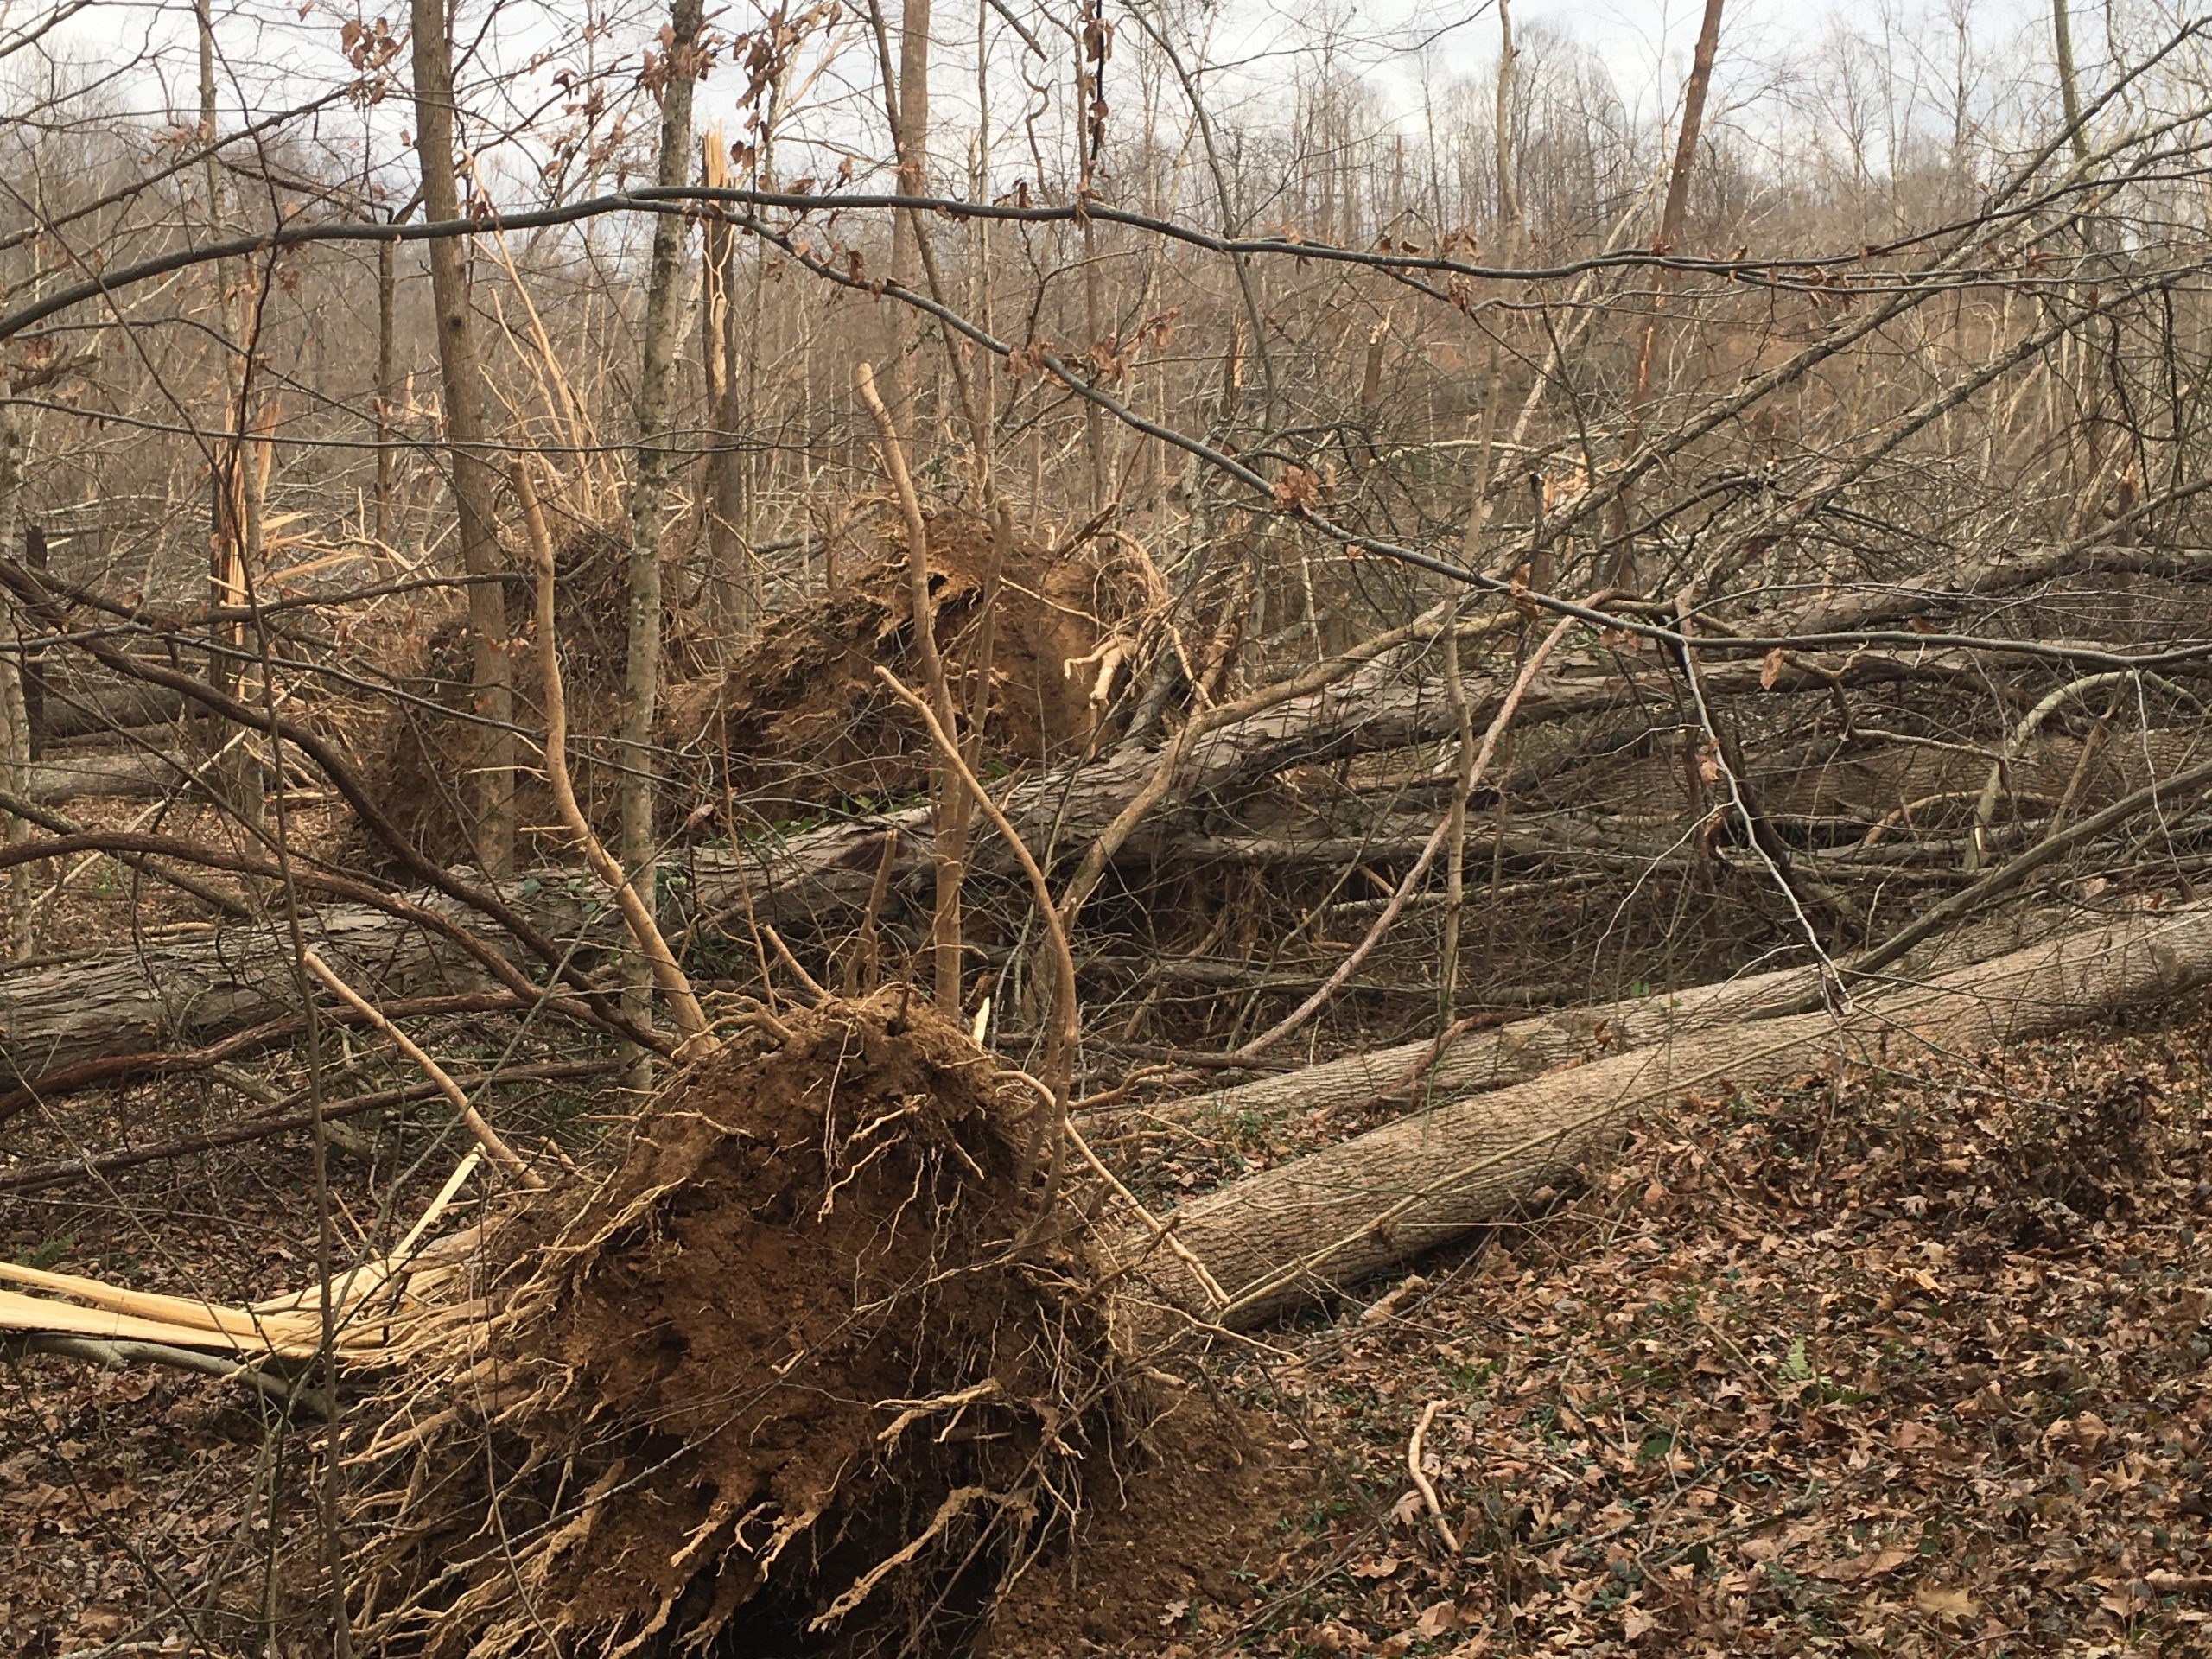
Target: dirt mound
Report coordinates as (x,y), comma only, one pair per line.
(799,713)
(779,1387)
(796,717)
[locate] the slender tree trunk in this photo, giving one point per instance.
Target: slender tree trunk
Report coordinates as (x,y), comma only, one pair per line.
(728,357)
(909,109)
(649,499)
(1623,575)
(233,778)
(1686,141)
(387,379)
(2090,485)
(474,479)
(14,717)
(2069,86)
(1090,132)
(1509,198)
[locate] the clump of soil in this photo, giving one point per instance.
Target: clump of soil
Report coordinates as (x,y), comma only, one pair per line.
(781,1385)
(800,714)
(796,720)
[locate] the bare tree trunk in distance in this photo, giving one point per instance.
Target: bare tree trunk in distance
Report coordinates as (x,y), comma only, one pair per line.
(234,777)
(649,501)
(474,479)
(1509,198)
(387,379)
(910,135)
(14,716)
(1623,575)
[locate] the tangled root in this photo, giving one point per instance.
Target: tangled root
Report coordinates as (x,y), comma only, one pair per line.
(785,1363)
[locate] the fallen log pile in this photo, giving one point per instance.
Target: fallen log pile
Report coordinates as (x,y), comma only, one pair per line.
(1148,810)
(791,1208)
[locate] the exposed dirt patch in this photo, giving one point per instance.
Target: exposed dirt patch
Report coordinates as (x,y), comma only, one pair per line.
(779,1387)
(1179,1550)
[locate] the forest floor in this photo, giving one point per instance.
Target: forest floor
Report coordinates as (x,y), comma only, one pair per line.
(1907,1363)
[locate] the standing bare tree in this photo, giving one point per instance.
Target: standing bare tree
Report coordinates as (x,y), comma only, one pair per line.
(474,479)
(674,74)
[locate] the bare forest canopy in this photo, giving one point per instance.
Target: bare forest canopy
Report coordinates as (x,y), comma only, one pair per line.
(1227,649)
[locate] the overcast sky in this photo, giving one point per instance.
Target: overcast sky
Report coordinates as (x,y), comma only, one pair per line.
(1643,46)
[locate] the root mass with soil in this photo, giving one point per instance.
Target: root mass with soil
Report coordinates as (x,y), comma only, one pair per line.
(781,1385)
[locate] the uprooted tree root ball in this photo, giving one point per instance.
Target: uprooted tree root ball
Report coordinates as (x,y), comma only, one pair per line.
(781,1385)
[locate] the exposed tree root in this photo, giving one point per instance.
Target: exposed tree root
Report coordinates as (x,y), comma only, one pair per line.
(779,1385)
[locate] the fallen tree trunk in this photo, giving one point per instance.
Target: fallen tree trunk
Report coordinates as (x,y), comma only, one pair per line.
(192,990)
(83,705)
(129,775)
(1470,1062)
(1881,604)
(1299,1231)
(831,869)
(128,1006)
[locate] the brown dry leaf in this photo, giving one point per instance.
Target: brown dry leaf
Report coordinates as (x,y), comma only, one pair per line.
(1871,1565)
(1299,489)
(1941,1602)
(1435,1620)
(1771,668)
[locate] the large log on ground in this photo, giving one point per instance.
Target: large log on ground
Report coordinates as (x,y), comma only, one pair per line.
(82,704)
(135,775)
(1470,1062)
(828,870)
(191,987)
(819,879)
(1328,1220)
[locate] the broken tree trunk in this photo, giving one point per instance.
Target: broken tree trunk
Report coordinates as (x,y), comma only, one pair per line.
(819,879)
(1325,1220)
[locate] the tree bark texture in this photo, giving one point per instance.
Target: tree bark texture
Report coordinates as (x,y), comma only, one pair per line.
(474,478)
(1320,1222)
(649,496)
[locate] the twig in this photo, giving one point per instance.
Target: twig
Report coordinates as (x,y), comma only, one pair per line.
(1421,1481)
(1162,1232)
(690,1020)
(1345,969)
(487,1137)
(115,1354)
(2011,875)
(951,822)
(812,986)
(1059,1050)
